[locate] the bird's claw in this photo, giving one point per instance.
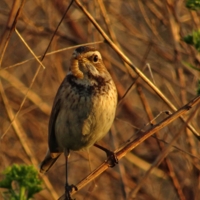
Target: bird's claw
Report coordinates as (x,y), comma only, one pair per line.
(112,158)
(68,189)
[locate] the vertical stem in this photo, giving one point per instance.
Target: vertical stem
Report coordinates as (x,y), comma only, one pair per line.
(22,193)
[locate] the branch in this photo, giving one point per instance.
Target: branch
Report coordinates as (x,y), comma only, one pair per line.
(130,67)
(130,145)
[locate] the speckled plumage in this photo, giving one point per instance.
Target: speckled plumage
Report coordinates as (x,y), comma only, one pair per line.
(84,106)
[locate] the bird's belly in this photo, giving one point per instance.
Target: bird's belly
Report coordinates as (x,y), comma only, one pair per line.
(83,123)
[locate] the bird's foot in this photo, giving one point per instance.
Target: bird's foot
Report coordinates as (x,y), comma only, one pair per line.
(68,189)
(112,158)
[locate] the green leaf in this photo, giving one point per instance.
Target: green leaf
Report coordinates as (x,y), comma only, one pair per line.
(193,39)
(26,178)
(193,4)
(198,88)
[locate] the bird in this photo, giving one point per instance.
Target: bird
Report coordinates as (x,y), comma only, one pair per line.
(83,110)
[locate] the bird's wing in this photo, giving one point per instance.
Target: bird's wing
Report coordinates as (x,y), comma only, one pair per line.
(53,145)
(54,151)
(48,161)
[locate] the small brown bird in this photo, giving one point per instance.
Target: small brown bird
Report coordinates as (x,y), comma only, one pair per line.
(83,110)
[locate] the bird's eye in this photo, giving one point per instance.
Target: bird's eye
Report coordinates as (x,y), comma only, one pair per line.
(95,58)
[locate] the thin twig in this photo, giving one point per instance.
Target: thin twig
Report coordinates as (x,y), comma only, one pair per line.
(22,136)
(121,152)
(132,67)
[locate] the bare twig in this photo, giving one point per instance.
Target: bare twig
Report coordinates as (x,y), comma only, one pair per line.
(24,141)
(120,153)
(132,67)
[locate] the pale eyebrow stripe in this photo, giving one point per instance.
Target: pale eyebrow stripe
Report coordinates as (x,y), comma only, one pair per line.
(90,53)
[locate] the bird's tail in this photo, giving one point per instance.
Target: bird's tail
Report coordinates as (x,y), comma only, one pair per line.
(48,161)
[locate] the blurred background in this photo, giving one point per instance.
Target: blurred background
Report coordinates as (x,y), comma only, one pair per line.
(151,34)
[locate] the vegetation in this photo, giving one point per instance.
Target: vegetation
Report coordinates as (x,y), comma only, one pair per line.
(159,40)
(21,182)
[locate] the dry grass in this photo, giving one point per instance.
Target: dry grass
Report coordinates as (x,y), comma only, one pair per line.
(146,33)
